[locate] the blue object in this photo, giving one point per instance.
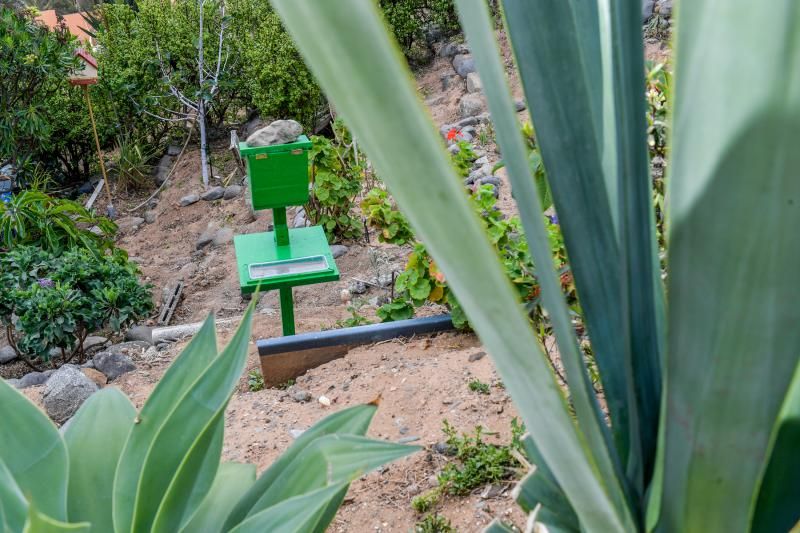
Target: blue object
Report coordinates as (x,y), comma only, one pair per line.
(5,197)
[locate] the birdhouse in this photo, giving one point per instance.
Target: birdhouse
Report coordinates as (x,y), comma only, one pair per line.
(86,73)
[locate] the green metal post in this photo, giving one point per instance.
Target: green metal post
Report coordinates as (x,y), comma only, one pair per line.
(281,228)
(287,311)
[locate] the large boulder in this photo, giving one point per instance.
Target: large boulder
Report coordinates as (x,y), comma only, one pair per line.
(189,199)
(471,105)
(463,64)
(32,379)
(113,364)
(214,193)
(65,392)
(279,132)
(128,225)
(140,333)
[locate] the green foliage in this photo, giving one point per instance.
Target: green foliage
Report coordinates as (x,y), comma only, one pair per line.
(286,384)
(479,386)
(103,471)
(34,64)
(336,177)
(255,381)
(132,168)
(463,158)
(477,462)
(54,301)
(53,224)
(434,523)
(398,309)
(408,20)
(658,92)
(422,282)
(355,318)
(426,501)
(392,226)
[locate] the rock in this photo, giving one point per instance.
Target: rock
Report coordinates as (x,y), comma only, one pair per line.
(468,121)
(483,160)
(206,238)
(358,287)
(295,433)
(150,217)
(300,220)
(188,271)
(338,250)
(173,150)
(279,132)
(471,105)
(493,491)
(189,199)
(93,343)
(474,84)
(444,449)
(436,100)
(113,364)
(520,105)
(163,168)
(88,364)
(32,379)
(128,348)
(14,383)
(452,49)
(465,136)
(232,191)
(65,392)
(301,396)
(477,356)
(449,80)
(490,180)
(469,130)
(453,149)
(129,225)
(214,193)
(647,9)
(140,333)
(252,125)
(665,8)
(476,175)
(463,64)
(98,377)
(7,354)
(223,236)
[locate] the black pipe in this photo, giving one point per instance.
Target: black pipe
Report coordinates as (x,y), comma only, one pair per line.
(355,335)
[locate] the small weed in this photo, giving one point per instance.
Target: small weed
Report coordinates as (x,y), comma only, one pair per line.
(477,462)
(479,386)
(434,523)
(426,501)
(462,160)
(355,318)
(255,381)
(285,385)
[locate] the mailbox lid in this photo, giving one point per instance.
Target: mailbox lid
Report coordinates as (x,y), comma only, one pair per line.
(302,143)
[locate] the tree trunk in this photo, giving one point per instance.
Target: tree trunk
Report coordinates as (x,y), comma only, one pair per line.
(201,118)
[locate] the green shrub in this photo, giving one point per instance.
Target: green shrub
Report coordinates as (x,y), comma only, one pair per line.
(159,469)
(479,386)
(392,226)
(255,381)
(434,523)
(336,177)
(408,20)
(54,301)
(52,224)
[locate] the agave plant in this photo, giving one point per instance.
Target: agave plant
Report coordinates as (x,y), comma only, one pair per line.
(112,469)
(699,431)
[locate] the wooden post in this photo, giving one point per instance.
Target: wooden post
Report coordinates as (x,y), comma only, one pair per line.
(97,144)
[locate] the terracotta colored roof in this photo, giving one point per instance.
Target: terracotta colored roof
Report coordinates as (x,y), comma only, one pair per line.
(74,21)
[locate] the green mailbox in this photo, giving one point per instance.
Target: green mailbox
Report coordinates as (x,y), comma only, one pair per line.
(278,175)
(283,258)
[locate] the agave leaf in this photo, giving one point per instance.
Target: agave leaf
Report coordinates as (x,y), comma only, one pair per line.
(777,506)
(331,459)
(232,482)
(350,52)
(183,429)
(479,27)
(186,369)
(496,526)
(95,437)
(733,286)
(593,68)
(41,523)
(295,515)
(193,479)
(353,421)
(34,452)
(13,506)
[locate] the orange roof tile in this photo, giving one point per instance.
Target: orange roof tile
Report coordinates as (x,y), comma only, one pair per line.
(74,22)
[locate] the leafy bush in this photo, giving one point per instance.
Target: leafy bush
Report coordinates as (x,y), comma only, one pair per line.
(463,158)
(434,523)
(113,469)
(408,20)
(392,226)
(336,177)
(54,301)
(52,224)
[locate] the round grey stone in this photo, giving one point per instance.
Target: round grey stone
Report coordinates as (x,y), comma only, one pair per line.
(65,392)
